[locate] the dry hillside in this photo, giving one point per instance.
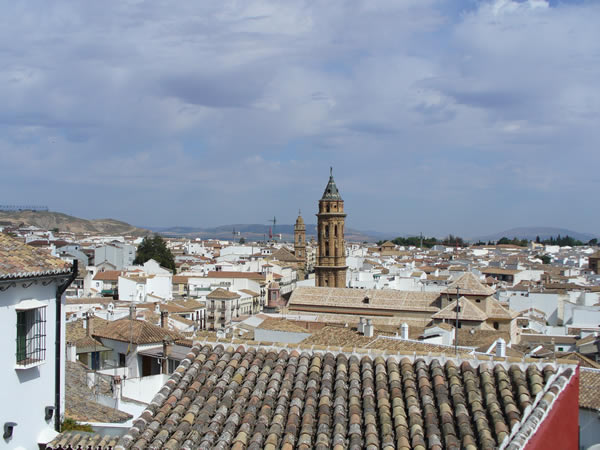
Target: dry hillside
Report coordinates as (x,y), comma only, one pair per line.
(49,220)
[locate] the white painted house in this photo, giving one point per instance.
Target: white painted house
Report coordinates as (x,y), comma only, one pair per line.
(32,286)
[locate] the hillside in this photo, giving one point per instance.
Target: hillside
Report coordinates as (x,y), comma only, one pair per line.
(257,232)
(530,233)
(49,220)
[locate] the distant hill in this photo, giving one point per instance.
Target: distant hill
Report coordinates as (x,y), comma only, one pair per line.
(257,232)
(49,220)
(530,233)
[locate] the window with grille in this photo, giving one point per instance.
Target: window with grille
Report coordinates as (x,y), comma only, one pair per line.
(31,336)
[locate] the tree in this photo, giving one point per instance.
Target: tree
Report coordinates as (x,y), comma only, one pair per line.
(155,248)
(545,259)
(593,241)
(242,240)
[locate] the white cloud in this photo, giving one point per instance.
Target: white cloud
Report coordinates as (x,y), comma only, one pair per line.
(194,95)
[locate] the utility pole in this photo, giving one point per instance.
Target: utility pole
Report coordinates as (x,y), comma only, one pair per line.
(456,327)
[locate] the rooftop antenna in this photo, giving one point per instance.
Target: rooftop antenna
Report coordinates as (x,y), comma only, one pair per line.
(272,230)
(456,328)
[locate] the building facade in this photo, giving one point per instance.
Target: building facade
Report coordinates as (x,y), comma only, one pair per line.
(32,286)
(330,270)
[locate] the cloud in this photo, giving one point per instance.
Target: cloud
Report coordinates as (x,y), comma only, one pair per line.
(248,104)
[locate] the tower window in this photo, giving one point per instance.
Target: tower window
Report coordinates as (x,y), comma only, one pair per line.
(366,300)
(326,230)
(335,230)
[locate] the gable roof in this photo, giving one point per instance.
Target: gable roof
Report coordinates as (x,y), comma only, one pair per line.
(468,311)
(19,260)
(134,331)
(107,275)
(231,274)
(468,284)
(222,294)
(363,298)
(283,254)
(249,397)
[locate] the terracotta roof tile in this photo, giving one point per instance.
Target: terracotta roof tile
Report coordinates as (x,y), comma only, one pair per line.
(589,388)
(135,331)
(222,294)
(18,260)
(468,311)
(251,398)
(107,275)
(362,298)
(468,284)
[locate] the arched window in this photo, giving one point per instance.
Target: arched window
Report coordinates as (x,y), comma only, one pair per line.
(335,230)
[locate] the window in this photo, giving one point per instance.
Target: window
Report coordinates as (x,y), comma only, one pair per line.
(31,333)
(122,360)
(496,325)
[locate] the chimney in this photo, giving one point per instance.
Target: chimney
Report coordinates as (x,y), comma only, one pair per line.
(361,325)
(404,331)
(369,328)
(132,312)
(88,324)
(165,358)
(501,348)
(164,319)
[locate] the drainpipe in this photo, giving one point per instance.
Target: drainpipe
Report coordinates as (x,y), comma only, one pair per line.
(60,290)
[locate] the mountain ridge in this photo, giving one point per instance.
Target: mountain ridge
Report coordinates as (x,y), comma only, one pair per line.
(49,220)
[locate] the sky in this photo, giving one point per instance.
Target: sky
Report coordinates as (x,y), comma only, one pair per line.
(465,117)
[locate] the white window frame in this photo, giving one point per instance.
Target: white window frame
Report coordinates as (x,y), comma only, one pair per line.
(31,334)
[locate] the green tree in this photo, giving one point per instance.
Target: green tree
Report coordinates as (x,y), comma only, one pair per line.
(154,247)
(242,240)
(593,242)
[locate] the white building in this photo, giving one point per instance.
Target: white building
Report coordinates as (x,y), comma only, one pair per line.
(147,283)
(32,284)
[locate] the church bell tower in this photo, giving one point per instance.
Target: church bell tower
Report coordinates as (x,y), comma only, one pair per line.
(330,270)
(300,245)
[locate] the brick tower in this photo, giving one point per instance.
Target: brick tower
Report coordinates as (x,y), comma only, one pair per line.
(330,270)
(300,245)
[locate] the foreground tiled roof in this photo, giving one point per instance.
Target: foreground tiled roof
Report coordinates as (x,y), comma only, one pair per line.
(18,260)
(82,440)
(255,398)
(362,298)
(135,331)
